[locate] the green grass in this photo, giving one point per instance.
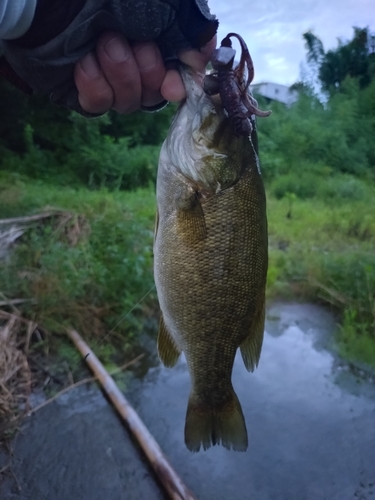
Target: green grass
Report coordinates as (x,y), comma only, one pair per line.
(321,249)
(324,252)
(89,284)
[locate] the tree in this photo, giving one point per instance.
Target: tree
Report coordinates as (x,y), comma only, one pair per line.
(314,47)
(315,54)
(42,140)
(348,59)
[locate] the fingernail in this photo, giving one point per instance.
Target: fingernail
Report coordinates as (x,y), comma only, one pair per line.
(146,57)
(116,50)
(90,66)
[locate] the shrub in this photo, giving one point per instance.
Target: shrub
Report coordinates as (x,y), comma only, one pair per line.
(304,186)
(345,187)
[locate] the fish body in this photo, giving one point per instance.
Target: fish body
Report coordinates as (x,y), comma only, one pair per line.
(210,254)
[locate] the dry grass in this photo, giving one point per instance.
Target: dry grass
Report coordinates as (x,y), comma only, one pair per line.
(16,331)
(65,270)
(15,375)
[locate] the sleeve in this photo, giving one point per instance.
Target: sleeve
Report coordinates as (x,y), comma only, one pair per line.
(15,17)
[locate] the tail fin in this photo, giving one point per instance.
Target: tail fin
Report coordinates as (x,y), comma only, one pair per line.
(209,425)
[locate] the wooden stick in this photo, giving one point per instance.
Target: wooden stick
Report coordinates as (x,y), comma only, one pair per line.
(12,302)
(166,474)
(29,218)
(81,382)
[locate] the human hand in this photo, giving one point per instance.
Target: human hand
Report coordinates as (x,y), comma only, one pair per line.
(125,76)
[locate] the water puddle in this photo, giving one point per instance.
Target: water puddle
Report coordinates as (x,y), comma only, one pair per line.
(310,420)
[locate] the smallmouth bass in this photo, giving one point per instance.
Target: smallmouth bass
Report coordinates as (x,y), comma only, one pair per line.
(210,261)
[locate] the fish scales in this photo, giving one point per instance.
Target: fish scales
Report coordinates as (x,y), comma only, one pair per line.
(210,263)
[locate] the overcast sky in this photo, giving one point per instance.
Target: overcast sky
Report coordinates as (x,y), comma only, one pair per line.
(273,29)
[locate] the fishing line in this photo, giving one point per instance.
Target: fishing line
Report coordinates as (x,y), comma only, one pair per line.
(117,324)
(125,316)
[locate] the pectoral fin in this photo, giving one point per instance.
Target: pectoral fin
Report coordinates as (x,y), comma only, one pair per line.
(190,215)
(156,225)
(192,223)
(252,345)
(167,349)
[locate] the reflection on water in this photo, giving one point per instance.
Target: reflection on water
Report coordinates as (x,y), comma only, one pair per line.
(311,424)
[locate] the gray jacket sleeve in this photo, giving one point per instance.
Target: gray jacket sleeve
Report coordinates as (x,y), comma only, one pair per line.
(172,24)
(15,17)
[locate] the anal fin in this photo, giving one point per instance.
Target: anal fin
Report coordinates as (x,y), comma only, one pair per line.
(167,349)
(252,345)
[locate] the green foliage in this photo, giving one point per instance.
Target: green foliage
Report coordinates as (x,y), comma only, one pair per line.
(88,272)
(314,47)
(45,142)
(141,127)
(318,159)
(345,188)
(325,252)
(70,355)
(316,140)
(355,342)
(351,286)
(318,251)
(116,166)
(306,186)
(351,59)
(340,188)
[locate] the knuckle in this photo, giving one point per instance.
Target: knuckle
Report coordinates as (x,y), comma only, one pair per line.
(148,58)
(96,101)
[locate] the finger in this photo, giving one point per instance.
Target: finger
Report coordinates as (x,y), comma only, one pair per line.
(152,71)
(198,59)
(172,88)
(120,69)
(95,95)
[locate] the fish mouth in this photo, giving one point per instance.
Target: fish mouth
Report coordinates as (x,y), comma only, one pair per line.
(191,77)
(193,83)
(199,106)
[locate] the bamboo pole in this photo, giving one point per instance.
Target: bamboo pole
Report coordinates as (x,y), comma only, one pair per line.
(172,483)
